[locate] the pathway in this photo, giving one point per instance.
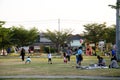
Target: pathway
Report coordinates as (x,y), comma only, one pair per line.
(84,77)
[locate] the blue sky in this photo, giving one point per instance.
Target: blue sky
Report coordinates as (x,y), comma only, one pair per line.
(44,14)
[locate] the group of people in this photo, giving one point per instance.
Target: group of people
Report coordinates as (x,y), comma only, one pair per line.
(78,53)
(101,60)
(79,58)
(113,63)
(28,59)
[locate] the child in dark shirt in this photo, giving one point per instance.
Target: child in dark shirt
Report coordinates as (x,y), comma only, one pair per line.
(101,61)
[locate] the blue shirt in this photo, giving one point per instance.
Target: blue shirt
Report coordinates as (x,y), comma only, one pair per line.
(113,52)
(79,52)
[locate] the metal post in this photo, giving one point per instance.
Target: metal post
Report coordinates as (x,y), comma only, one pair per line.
(59,25)
(118,30)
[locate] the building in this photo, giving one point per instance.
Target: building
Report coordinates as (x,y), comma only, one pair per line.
(73,41)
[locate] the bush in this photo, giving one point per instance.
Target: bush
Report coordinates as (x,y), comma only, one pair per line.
(47,49)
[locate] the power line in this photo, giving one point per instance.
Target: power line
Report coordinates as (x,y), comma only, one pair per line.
(56,20)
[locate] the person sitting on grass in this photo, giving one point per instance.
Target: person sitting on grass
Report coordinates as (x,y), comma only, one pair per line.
(114,63)
(28,60)
(101,61)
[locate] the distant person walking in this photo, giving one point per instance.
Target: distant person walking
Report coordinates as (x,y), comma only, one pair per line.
(22,54)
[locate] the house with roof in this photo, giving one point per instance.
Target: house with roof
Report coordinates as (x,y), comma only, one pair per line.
(73,42)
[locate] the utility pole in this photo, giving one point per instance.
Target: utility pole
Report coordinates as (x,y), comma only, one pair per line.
(118,30)
(59,25)
(59,32)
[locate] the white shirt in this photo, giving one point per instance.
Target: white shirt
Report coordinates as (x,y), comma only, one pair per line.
(28,59)
(49,55)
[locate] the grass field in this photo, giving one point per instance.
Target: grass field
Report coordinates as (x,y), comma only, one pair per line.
(12,65)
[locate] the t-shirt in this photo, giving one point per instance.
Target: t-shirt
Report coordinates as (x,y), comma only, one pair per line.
(28,59)
(68,52)
(49,55)
(101,62)
(79,52)
(113,52)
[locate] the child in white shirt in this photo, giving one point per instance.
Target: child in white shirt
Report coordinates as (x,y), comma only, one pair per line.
(28,60)
(49,58)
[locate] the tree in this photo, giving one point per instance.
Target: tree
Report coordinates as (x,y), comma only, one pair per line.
(115,6)
(94,33)
(22,37)
(58,37)
(2,23)
(109,34)
(4,36)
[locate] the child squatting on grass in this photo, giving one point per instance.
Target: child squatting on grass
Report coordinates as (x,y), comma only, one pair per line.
(28,60)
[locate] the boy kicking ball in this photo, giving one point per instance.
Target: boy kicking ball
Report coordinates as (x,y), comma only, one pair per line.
(28,60)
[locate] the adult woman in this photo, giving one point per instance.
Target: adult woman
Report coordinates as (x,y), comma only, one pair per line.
(22,54)
(79,57)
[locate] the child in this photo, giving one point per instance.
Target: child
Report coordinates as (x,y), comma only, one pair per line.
(49,58)
(101,61)
(64,55)
(28,60)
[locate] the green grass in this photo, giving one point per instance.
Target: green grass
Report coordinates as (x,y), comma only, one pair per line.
(12,65)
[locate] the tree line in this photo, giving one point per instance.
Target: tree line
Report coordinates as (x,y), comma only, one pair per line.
(99,32)
(19,36)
